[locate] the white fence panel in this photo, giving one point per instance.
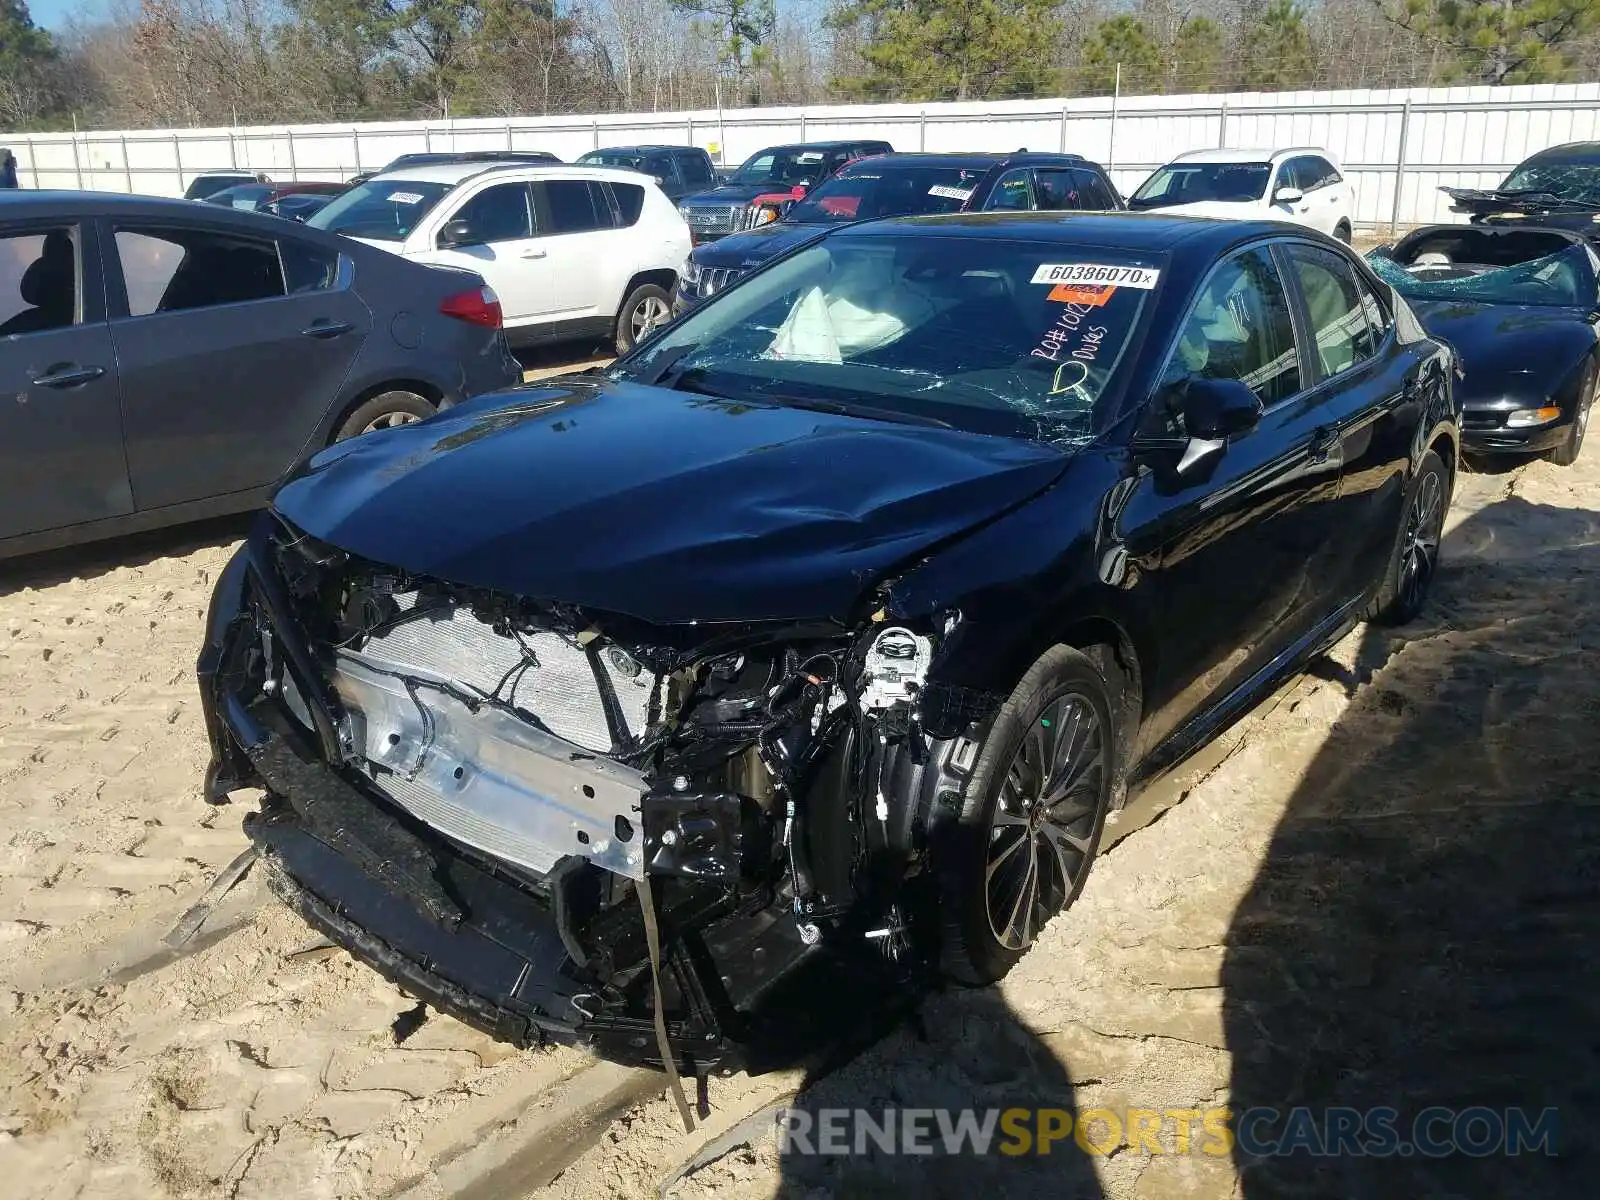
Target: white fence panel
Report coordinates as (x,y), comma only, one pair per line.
(1397,146)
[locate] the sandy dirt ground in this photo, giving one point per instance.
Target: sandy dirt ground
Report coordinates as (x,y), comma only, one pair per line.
(1380,888)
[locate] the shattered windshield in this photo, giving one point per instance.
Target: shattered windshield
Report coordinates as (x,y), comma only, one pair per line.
(1565,279)
(1575,181)
(1014,338)
(884,190)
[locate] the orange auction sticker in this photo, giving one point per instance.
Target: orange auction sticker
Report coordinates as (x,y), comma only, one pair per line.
(1081,294)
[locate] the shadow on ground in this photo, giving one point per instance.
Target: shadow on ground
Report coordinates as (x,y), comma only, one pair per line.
(1424,931)
(129,551)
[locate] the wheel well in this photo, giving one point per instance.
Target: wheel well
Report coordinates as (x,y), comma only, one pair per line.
(426,390)
(1448,451)
(1111,650)
(664,279)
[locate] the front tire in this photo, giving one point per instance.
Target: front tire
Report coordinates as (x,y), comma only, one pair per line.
(1415,559)
(384,411)
(1343,232)
(646,308)
(1567,453)
(1031,817)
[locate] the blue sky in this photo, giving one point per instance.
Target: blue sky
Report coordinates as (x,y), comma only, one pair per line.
(53,14)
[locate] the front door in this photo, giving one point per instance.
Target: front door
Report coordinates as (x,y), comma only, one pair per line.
(494,236)
(1231,554)
(61,459)
(231,347)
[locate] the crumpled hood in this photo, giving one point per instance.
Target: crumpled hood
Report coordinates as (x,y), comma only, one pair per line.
(750,249)
(665,506)
(1508,351)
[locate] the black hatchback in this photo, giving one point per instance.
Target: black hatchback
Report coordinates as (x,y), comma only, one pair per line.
(838,615)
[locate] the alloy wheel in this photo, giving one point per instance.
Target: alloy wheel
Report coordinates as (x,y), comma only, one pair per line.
(647,314)
(1419,552)
(390,420)
(1043,829)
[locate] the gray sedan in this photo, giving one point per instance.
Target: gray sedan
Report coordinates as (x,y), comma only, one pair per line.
(162,361)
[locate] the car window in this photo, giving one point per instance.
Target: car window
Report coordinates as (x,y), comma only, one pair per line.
(1071,187)
(381,209)
(887,189)
(1240,328)
(307,268)
(168,270)
(1194,183)
(1012,193)
(1325,170)
(990,336)
(575,206)
(38,281)
(659,165)
(629,198)
(696,170)
(497,214)
(1339,322)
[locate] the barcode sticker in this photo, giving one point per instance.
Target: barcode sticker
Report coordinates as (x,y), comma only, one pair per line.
(950,193)
(1098,274)
(405,198)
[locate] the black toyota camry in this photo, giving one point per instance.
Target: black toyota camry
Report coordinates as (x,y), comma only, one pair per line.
(828,625)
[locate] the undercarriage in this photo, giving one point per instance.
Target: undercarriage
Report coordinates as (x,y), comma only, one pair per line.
(558,824)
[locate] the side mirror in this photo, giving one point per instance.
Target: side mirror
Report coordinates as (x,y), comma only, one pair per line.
(1288,195)
(456,233)
(1217,409)
(1210,412)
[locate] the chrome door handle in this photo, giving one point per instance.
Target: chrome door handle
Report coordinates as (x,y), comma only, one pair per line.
(326,329)
(69,376)
(534,253)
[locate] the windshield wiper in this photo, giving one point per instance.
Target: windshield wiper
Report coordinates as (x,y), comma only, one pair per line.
(838,409)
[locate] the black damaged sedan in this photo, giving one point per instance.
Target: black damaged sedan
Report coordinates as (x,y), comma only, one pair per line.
(828,626)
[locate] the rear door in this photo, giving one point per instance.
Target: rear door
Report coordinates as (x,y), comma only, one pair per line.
(1068,188)
(61,455)
(232,344)
(1367,385)
(576,232)
(695,168)
(502,246)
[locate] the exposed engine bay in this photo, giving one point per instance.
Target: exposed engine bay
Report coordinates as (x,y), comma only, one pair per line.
(759,795)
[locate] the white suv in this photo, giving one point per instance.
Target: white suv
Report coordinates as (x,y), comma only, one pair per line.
(570,251)
(1303,185)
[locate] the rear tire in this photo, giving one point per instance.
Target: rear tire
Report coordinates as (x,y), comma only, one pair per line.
(647,308)
(385,411)
(1567,453)
(1015,857)
(1415,558)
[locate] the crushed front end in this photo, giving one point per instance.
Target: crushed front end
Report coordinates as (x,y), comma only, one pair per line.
(473,792)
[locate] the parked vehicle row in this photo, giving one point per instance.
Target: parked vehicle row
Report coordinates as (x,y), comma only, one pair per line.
(846,606)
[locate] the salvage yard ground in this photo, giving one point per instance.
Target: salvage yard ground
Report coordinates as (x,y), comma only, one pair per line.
(1380,888)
